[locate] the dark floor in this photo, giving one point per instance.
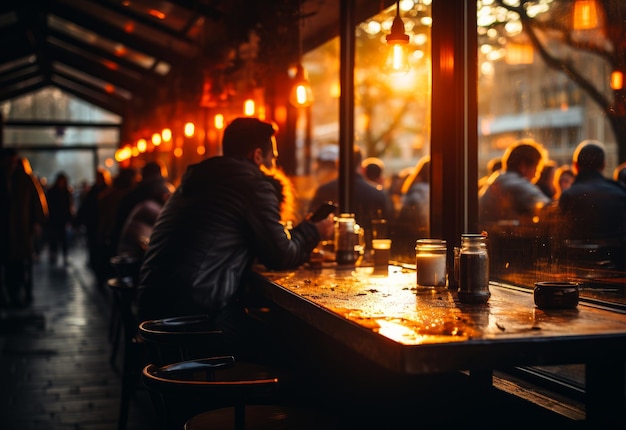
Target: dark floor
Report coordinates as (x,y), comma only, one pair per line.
(54,356)
(55,371)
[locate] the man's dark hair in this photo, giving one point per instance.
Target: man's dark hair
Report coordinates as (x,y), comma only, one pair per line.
(244,135)
(589,155)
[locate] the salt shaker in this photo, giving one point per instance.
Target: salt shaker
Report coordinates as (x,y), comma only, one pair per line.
(473,269)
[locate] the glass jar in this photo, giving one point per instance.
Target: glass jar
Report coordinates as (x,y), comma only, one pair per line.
(346,234)
(473,269)
(430,259)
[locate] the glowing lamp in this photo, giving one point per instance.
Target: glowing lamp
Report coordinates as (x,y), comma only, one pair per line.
(397,60)
(301,94)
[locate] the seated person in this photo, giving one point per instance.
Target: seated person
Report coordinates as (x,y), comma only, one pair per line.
(593,209)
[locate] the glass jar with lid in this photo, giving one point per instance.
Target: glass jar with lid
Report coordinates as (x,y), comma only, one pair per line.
(473,269)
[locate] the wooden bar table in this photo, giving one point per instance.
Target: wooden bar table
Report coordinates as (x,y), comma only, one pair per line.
(385,317)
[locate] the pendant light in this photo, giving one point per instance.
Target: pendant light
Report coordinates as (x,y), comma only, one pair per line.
(585,15)
(301,94)
(397,60)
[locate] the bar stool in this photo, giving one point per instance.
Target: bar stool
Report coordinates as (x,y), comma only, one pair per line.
(183,389)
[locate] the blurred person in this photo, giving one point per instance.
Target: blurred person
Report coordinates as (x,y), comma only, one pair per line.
(87,214)
(593,209)
(108,202)
(368,202)
(326,164)
(23,211)
(545,182)
(510,195)
(493,167)
(413,221)
(563,179)
(395,188)
(135,235)
(373,169)
(61,207)
(222,218)
(153,176)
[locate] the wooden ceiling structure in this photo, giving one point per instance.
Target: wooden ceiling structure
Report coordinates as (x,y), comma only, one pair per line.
(127,56)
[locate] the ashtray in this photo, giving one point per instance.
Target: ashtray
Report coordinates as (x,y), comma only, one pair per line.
(556,295)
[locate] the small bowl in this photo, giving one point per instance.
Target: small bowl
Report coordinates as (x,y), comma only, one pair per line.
(556,295)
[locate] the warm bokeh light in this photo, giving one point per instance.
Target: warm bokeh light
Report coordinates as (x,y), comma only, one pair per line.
(248,107)
(108,162)
(218,121)
(585,15)
(190,129)
(178,152)
(156,139)
(135,152)
(166,134)
(200,150)
(123,154)
(617,80)
(142,145)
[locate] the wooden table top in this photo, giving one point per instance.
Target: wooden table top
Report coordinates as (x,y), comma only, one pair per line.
(404,327)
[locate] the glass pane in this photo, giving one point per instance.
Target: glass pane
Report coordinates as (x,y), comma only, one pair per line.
(548,81)
(392,116)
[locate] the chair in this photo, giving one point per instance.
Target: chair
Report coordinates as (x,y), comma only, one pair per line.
(199,394)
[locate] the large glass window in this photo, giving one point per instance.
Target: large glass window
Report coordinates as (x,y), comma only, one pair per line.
(543,77)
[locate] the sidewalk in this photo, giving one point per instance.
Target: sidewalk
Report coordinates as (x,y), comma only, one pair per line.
(54,356)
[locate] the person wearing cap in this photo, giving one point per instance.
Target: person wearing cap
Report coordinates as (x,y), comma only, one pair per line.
(223,218)
(593,209)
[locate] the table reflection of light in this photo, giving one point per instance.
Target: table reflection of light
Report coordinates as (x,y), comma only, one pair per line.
(398,332)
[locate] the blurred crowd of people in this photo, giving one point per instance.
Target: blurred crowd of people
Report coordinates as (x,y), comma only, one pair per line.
(113,215)
(116,215)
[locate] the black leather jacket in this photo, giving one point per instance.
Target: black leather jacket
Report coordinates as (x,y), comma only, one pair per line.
(222,218)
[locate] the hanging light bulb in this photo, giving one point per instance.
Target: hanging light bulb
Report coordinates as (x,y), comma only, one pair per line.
(397,60)
(301,94)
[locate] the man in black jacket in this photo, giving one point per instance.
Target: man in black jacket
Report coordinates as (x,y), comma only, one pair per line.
(222,218)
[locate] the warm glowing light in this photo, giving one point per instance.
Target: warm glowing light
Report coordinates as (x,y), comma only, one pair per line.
(617,80)
(397,60)
(178,152)
(519,53)
(123,154)
(142,145)
(301,94)
(108,162)
(135,152)
(129,27)
(189,129)
(200,150)
(166,134)
(248,107)
(110,64)
(156,139)
(218,121)
(109,88)
(585,15)
(156,13)
(335,90)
